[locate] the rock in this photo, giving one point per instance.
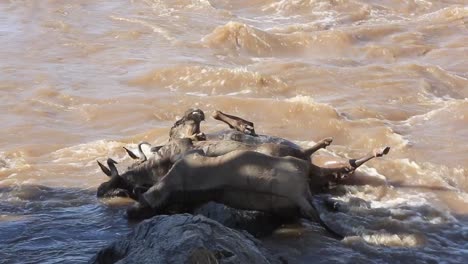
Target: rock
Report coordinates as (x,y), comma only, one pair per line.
(184,238)
(256,223)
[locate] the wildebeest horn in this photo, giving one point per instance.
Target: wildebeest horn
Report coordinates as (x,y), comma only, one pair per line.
(157,148)
(110,163)
(130,153)
(113,170)
(144,158)
(104,169)
(140,151)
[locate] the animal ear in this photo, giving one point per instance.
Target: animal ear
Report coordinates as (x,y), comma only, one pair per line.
(131,154)
(104,169)
(157,148)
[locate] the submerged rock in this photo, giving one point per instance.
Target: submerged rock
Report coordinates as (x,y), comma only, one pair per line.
(184,239)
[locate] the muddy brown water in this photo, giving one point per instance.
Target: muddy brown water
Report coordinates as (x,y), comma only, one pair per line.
(80,79)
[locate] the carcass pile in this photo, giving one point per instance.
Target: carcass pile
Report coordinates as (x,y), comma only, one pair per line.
(237,168)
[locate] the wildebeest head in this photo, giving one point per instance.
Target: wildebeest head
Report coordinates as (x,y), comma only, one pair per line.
(189,125)
(173,148)
(194,114)
(117,186)
(135,180)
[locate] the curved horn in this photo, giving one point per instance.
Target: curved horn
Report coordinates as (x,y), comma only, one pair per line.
(130,153)
(157,148)
(104,169)
(142,154)
(113,169)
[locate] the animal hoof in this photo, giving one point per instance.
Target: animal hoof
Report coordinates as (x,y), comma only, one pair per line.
(327,141)
(200,136)
(216,114)
(381,152)
(249,130)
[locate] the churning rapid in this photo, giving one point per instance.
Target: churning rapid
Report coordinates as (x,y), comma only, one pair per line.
(81,79)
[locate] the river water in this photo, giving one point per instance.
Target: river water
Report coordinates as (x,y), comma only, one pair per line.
(80,79)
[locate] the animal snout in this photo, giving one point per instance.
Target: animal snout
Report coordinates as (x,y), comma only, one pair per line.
(197,115)
(115,192)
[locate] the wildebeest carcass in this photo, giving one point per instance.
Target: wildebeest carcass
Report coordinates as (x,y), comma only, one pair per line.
(244,180)
(214,167)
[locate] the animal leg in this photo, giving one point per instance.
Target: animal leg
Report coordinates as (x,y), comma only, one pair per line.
(310,212)
(140,211)
(340,171)
(150,202)
(378,152)
(319,145)
(157,195)
(235,122)
(330,172)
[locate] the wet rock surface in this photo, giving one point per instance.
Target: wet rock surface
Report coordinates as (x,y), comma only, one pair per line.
(184,238)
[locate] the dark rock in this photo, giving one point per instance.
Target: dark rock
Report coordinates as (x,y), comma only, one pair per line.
(184,239)
(256,223)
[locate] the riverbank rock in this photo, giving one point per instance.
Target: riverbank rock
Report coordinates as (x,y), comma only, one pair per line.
(184,238)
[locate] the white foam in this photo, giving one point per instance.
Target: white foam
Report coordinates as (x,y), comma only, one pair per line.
(392,240)
(245,91)
(157,29)
(199,94)
(305,99)
(75,155)
(15,161)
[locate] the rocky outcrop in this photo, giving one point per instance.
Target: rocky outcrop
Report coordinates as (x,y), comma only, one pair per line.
(184,239)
